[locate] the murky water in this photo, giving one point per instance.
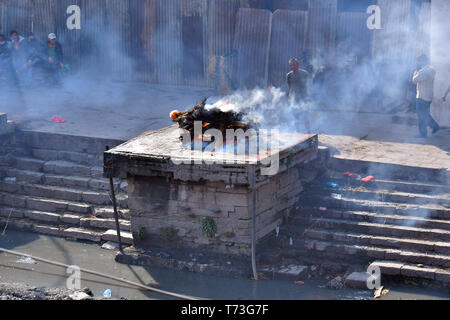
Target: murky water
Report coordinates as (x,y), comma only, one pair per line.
(92,257)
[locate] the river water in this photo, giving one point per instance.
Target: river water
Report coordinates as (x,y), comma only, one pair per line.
(92,257)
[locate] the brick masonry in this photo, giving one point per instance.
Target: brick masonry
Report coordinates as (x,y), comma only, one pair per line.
(168,212)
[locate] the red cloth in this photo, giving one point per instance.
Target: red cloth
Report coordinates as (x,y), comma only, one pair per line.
(368,179)
(349,174)
(57,119)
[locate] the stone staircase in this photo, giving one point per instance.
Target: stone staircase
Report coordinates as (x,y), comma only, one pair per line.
(401,220)
(52,184)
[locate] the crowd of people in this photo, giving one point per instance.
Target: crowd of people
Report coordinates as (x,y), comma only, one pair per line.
(28,61)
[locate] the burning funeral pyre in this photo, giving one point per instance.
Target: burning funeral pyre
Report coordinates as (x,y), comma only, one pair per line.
(210,118)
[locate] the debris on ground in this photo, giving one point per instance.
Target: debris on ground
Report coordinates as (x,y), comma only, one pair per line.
(380,292)
(17,291)
(57,119)
(26,260)
(332,185)
(368,179)
(350,174)
(107,293)
(110,245)
(336,283)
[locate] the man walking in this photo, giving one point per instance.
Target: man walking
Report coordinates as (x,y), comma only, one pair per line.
(424,79)
(297,80)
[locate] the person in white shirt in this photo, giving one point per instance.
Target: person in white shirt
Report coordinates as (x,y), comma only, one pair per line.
(444,97)
(424,79)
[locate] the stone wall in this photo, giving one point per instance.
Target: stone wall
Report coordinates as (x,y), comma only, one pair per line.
(169,213)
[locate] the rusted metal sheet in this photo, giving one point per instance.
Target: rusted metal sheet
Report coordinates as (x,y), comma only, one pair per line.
(352,36)
(168,41)
(288,41)
(291,4)
(252,43)
(423,38)
(221,26)
(119,35)
(69,39)
(17,15)
(194,15)
(222,20)
(322,19)
(142,41)
(393,40)
(44,17)
(94,40)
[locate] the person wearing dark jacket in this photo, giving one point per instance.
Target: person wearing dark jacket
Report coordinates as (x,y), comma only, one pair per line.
(55,56)
(35,56)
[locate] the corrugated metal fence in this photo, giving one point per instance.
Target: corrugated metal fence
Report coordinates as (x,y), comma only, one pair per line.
(181,41)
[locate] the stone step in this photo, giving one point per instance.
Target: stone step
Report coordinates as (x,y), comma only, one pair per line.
(82,234)
(361,193)
(393,219)
(44,204)
(77,220)
(59,167)
(30,164)
(382,184)
(385,242)
(64,142)
(75,157)
(105,224)
(370,228)
(343,203)
(387,171)
(395,268)
(111,235)
(59,193)
(108,212)
(59,180)
(365,254)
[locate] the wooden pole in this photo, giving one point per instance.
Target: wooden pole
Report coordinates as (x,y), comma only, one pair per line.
(116,214)
(253,187)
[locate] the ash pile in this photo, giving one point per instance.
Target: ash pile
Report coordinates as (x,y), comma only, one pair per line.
(210,118)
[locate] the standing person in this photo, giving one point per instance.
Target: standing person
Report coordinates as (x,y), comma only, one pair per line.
(297,81)
(55,57)
(444,97)
(18,52)
(424,79)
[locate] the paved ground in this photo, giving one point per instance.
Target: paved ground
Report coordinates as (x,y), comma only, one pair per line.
(124,110)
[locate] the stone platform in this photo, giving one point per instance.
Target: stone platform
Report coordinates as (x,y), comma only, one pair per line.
(172,203)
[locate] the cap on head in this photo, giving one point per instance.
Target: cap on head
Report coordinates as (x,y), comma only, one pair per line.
(13,32)
(52,36)
(174,114)
(293,60)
